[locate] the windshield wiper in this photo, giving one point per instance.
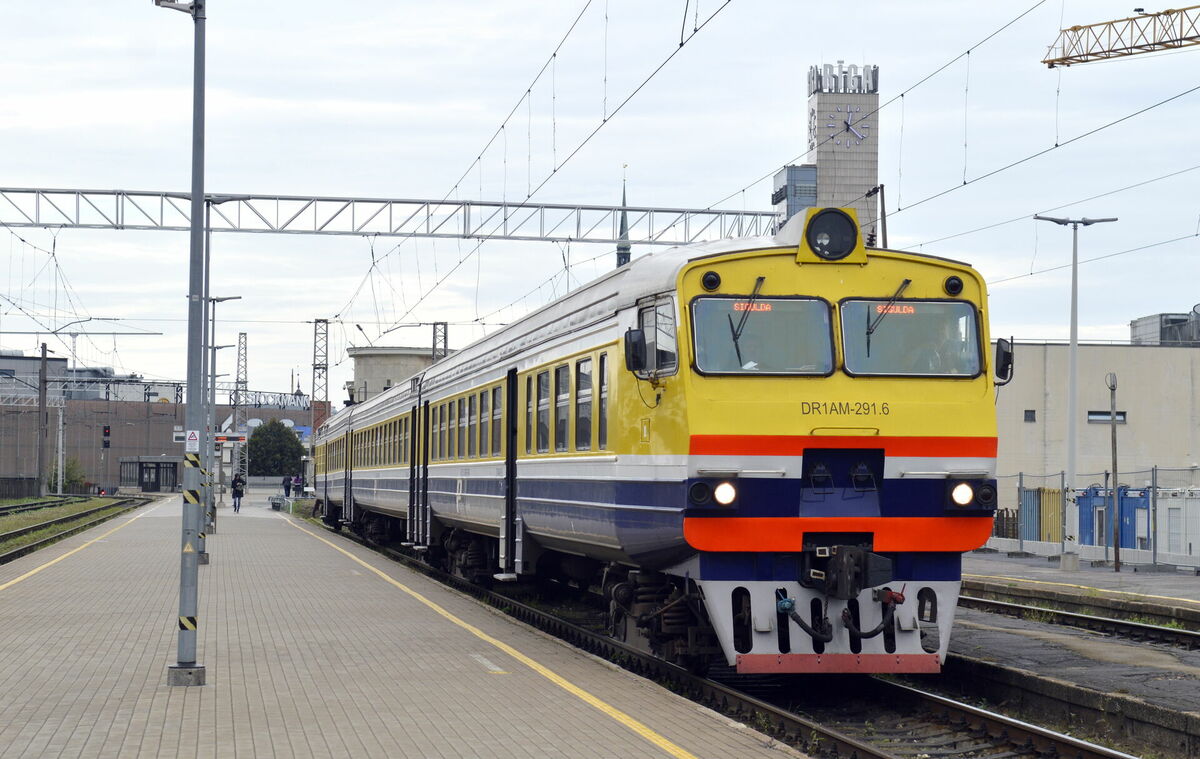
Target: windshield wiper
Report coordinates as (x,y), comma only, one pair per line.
(737,331)
(887,309)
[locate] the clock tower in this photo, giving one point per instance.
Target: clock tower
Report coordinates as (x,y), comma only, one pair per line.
(843,137)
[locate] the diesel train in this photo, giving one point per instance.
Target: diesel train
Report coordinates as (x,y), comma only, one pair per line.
(769,450)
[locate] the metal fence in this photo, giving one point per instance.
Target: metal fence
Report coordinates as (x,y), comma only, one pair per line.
(1157,510)
(18,487)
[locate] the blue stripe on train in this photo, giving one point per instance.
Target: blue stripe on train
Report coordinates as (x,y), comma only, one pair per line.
(928,567)
(757,497)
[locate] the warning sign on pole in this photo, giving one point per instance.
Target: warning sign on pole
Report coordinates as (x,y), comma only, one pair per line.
(192,443)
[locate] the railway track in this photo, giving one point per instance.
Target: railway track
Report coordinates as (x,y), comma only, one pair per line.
(1138,631)
(873,718)
(45,503)
(70,527)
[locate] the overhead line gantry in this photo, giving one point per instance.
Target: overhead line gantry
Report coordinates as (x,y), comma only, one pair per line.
(384,217)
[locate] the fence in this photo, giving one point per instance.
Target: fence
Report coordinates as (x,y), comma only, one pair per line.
(18,487)
(1157,510)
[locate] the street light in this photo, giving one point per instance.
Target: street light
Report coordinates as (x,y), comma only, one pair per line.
(215,464)
(186,670)
(1070,537)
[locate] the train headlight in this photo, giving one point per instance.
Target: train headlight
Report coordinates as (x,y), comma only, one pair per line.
(963,493)
(725,493)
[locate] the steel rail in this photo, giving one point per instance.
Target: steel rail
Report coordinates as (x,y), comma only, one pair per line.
(1188,639)
(773,720)
(45,503)
(124,505)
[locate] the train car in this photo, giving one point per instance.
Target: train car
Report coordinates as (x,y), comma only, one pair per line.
(768,450)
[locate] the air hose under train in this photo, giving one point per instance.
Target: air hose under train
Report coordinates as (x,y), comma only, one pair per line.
(889,599)
(823,630)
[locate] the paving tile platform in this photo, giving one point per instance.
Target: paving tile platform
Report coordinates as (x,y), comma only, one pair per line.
(312,646)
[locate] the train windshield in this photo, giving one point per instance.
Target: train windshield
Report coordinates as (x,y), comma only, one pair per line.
(745,335)
(928,338)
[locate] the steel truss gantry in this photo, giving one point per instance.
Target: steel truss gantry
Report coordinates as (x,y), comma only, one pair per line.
(1144,33)
(291,214)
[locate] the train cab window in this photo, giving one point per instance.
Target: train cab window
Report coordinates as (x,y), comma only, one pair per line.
(497,419)
(923,338)
(562,406)
(472,427)
(657,323)
(583,405)
(483,424)
(529,414)
(602,411)
(748,335)
(543,412)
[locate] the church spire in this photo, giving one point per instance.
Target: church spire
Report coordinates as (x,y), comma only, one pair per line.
(623,236)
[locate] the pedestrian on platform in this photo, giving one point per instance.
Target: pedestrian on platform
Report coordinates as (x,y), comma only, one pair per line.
(298,486)
(239,489)
(287,486)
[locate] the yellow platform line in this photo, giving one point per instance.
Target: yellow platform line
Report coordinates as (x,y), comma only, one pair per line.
(1085,587)
(618,715)
(73,551)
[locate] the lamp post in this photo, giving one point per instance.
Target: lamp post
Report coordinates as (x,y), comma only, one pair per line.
(1070,558)
(214,461)
(186,670)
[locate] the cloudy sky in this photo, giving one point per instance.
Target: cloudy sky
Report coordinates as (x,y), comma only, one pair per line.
(398,99)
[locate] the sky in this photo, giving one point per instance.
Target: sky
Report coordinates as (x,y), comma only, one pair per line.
(399,99)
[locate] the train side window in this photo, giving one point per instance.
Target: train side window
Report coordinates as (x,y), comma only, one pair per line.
(462,428)
(543,412)
(583,405)
(483,424)
(529,414)
(441,446)
(562,406)
(602,411)
(497,421)
(472,426)
(451,432)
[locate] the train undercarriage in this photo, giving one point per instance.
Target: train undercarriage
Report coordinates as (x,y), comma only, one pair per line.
(843,610)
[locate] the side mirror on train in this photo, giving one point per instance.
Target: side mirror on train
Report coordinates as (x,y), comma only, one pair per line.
(635,350)
(1004,361)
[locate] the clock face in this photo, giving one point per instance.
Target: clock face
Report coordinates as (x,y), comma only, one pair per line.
(846,127)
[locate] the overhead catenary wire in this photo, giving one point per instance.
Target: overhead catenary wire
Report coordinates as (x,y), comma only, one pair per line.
(1039,153)
(1025,216)
(907,90)
(483,238)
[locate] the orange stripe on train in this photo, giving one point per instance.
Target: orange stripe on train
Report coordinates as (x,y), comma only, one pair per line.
(786,534)
(794,445)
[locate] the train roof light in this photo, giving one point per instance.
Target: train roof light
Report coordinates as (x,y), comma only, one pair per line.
(831,235)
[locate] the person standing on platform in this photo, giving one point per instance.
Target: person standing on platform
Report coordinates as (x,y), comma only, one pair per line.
(287,486)
(239,489)
(298,486)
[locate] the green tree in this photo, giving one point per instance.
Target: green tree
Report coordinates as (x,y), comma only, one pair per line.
(274,450)
(73,477)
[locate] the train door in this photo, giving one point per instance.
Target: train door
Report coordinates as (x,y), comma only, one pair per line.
(414,449)
(509,526)
(348,480)
(422,535)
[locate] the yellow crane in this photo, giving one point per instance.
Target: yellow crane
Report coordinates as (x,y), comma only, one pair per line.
(1143,33)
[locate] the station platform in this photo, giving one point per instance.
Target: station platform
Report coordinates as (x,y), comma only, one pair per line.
(1164,680)
(312,646)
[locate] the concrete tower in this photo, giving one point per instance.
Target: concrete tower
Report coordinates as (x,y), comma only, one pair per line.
(843,136)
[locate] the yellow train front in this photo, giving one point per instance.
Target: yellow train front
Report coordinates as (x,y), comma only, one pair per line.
(772,449)
(835,407)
